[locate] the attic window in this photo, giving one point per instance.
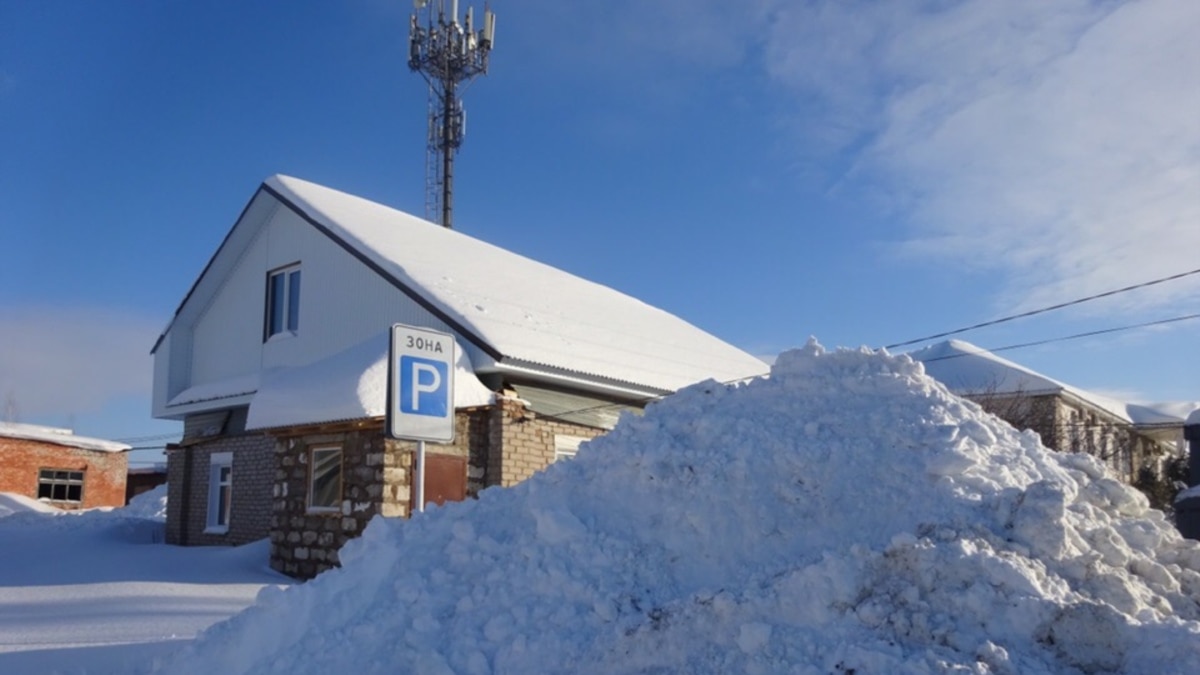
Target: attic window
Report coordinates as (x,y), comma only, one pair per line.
(283,301)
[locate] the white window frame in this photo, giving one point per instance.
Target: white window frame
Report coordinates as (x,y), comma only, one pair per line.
(288,301)
(565,447)
(336,507)
(54,480)
(220,493)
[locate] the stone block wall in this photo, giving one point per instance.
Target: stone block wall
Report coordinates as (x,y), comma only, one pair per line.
(104,473)
(501,444)
(377,479)
(304,542)
(253,470)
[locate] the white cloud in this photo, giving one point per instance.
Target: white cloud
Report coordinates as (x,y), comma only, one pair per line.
(1055,141)
(63,361)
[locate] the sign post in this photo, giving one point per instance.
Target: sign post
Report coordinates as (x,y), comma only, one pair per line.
(420,392)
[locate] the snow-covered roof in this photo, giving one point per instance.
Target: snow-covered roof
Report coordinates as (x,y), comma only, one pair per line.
(221,389)
(968,370)
(349,385)
(527,314)
(58,436)
(1169,412)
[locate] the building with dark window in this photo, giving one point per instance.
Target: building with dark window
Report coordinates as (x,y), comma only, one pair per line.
(59,468)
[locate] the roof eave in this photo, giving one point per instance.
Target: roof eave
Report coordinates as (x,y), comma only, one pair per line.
(578,381)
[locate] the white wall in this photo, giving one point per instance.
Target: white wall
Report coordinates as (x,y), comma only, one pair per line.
(342,303)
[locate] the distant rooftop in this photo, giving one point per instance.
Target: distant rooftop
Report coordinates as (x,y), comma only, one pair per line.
(970,370)
(58,436)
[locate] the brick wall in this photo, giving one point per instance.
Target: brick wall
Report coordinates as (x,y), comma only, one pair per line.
(253,470)
(521,443)
(103,472)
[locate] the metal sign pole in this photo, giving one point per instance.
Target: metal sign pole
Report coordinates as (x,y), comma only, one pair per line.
(420,482)
(421,394)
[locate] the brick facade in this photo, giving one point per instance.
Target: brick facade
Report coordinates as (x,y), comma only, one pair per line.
(104,473)
(521,443)
(253,471)
(501,445)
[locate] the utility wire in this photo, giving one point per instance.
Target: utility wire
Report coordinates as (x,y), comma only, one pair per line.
(651,399)
(1076,336)
(1022,315)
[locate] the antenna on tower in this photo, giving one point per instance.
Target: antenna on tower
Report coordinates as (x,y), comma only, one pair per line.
(446,53)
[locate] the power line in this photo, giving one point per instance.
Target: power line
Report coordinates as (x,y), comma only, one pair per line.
(1076,336)
(650,399)
(1022,315)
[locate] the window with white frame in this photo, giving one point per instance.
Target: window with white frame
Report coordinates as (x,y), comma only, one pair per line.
(60,485)
(565,447)
(220,492)
(283,302)
(325,478)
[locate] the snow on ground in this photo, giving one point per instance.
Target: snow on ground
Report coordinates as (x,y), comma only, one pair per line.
(98,591)
(151,504)
(845,515)
(13,503)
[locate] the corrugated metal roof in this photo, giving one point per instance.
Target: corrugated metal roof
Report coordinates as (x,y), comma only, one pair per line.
(591,412)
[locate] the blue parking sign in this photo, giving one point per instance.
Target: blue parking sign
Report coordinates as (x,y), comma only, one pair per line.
(421,385)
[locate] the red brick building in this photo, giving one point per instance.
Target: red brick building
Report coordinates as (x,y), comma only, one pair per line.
(58,467)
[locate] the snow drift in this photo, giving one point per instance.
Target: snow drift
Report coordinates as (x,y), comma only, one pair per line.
(847,514)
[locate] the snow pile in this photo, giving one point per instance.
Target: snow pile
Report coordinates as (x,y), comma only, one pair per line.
(846,515)
(11,502)
(151,505)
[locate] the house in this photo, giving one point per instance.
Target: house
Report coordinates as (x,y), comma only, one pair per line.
(1134,440)
(56,466)
(276,362)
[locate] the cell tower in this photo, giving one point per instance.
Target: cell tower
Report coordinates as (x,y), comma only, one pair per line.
(448,54)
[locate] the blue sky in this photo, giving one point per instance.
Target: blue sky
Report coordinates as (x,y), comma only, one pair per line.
(864,172)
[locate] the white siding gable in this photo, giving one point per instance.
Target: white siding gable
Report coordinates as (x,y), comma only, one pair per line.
(220,326)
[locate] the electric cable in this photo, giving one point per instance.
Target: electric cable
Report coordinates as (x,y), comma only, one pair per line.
(1043,310)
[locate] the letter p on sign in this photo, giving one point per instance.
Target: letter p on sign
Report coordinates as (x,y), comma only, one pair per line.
(423,388)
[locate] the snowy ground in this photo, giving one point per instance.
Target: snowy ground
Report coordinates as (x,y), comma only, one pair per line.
(99,592)
(846,515)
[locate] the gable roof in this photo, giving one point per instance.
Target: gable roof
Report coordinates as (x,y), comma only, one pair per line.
(528,317)
(969,370)
(58,436)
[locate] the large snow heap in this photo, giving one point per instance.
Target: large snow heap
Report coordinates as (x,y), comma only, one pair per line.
(846,514)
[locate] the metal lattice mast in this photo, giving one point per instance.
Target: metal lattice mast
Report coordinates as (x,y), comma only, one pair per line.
(447,53)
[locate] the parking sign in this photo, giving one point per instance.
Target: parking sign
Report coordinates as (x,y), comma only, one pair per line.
(421,389)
